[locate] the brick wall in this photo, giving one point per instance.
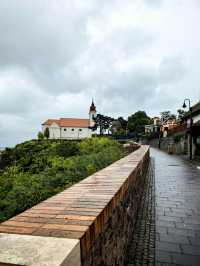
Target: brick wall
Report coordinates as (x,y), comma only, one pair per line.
(99,211)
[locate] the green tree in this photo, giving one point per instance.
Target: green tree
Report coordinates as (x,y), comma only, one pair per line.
(167,115)
(123,122)
(181,113)
(119,127)
(40,135)
(116,127)
(137,122)
(103,123)
(46,132)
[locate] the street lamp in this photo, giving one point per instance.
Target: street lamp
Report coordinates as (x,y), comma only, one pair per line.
(190,110)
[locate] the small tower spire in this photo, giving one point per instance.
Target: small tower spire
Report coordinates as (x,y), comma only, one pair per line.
(92,106)
(92,113)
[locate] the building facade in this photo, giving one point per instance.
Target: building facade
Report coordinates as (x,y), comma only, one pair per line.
(167,126)
(192,120)
(154,127)
(71,128)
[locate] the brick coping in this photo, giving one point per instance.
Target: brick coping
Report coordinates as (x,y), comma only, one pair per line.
(80,211)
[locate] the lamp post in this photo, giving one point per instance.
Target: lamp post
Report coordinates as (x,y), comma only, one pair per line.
(190,110)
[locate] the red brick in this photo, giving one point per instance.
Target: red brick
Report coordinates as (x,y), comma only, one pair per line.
(17,230)
(21,224)
(66,227)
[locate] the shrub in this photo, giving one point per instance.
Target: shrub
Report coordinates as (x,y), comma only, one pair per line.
(40,135)
(44,168)
(46,133)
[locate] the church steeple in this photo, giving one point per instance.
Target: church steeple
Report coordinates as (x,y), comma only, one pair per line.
(92,113)
(92,107)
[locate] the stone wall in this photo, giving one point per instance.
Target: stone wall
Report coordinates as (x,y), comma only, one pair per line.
(111,247)
(99,212)
(169,145)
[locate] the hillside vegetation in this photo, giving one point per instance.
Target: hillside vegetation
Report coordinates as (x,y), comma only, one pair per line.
(36,170)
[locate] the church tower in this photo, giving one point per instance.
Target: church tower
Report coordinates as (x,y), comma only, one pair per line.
(92,113)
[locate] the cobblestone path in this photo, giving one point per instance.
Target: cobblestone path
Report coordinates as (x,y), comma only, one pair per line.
(142,248)
(177,209)
(177,186)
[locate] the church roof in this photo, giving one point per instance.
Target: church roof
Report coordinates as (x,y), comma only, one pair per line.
(51,121)
(68,122)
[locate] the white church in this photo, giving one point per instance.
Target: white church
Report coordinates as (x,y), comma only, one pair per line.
(71,128)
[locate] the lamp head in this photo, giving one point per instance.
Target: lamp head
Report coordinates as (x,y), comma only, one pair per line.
(184,105)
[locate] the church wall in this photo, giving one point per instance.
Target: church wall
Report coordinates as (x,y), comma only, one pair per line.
(70,132)
(54,131)
(75,133)
(57,132)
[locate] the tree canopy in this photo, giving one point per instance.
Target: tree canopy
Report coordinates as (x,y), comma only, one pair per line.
(181,113)
(46,133)
(137,122)
(103,123)
(167,115)
(40,135)
(123,122)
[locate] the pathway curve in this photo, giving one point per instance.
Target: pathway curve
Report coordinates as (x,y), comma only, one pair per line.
(177,188)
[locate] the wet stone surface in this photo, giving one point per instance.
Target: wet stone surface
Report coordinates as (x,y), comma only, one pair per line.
(177,186)
(142,247)
(176,192)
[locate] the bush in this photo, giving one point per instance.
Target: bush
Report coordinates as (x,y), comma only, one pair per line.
(94,145)
(40,135)
(46,133)
(44,168)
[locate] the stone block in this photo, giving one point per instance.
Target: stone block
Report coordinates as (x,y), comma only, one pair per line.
(39,251)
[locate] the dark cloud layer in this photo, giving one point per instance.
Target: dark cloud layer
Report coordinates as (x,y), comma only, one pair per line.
(56,55)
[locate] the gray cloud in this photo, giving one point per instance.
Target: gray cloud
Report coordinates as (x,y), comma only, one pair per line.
(153,2)
(171,70)
(56,56)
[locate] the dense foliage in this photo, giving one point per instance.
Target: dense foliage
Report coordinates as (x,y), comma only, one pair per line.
(119,127)
(103,123)
(35,170)
(137,122)
(167,115)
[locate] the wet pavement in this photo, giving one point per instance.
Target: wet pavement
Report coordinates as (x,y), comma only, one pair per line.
(142,248)
(177,189)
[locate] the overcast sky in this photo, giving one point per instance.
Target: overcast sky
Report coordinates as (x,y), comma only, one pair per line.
(128,55)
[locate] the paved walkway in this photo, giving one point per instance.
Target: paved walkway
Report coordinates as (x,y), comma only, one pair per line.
(142,248)
(177,186)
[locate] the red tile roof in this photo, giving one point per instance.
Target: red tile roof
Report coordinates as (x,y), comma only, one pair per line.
(51,121)
(68,122)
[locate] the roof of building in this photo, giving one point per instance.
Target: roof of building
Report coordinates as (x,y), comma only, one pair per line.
(195,110)
(68,122)
(51,121)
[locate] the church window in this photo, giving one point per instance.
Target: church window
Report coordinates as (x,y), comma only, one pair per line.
(65,129)
(72,129)
(80,129)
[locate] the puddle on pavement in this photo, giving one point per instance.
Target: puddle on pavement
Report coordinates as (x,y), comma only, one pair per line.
(173,165)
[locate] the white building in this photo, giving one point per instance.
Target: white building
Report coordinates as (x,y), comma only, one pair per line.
(71,128)
(154,127)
